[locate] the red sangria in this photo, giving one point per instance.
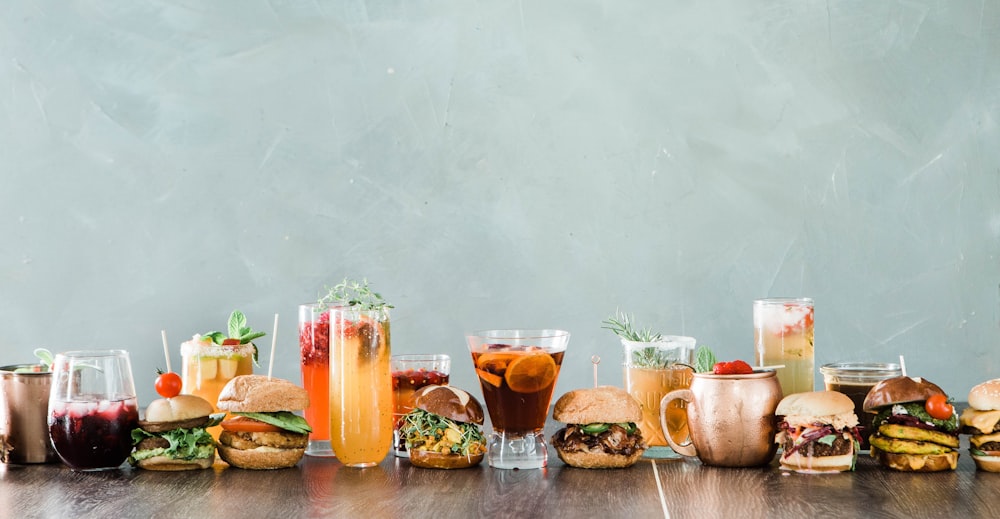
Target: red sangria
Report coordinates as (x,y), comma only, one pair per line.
(92,408)
(93,435)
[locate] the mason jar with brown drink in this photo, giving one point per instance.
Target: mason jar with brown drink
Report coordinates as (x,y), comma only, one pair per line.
(855,379)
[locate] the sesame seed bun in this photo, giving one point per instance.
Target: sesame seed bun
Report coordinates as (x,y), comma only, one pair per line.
(985,396)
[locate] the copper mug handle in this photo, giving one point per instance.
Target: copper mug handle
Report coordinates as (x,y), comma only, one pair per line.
(687,448)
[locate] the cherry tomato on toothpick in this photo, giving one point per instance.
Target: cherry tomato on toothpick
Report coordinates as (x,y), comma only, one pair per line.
(168,385)
(938,407)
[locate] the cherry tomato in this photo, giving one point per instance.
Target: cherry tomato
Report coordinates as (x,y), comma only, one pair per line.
(244,424)
(938,407)
(168,385)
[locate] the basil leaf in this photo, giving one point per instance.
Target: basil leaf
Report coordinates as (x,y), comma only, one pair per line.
(283,419)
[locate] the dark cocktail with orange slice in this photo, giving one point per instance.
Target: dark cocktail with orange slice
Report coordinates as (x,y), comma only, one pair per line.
(517,372)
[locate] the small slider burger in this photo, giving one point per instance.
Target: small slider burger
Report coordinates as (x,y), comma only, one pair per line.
(601,430)
(982,420)
(915,429)
(442,431)
(172,436)
(818,432)
(263,433)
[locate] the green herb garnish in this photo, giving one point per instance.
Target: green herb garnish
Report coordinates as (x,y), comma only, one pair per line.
(238,333)
(623,326)
(45,360)
(424,431)
(352,293)
(704,359)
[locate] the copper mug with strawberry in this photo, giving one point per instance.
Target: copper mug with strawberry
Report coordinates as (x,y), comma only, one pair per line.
(730,417)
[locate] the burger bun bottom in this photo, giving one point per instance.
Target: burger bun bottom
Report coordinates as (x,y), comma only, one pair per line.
(598,460)
(800,463)
(916,462)
(266,458)
(987,463)
(437,460)
(168,464)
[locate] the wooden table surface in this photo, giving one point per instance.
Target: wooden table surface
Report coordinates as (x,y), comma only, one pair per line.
(322,487)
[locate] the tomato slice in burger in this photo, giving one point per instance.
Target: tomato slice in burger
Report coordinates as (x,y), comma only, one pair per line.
(244,424)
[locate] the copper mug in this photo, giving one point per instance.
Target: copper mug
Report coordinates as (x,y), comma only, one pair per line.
(730,418)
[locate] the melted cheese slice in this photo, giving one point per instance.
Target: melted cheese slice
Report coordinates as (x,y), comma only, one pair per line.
(978,440)
(985,421)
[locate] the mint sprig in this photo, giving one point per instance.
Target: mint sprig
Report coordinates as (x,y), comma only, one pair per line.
(237,330)
(704,359)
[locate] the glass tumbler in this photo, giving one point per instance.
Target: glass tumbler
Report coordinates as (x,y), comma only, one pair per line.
(92,409)
(409,373)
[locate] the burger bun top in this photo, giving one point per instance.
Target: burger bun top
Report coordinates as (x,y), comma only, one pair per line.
(259,394)
(178,409)
(900,390)
(603,404)
(985,396)
(449,402)
(815,403)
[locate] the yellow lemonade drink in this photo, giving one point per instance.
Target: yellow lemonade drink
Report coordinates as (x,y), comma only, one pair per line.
(361,400)
(648,386)
(207,367)
(783,335)
(651,370)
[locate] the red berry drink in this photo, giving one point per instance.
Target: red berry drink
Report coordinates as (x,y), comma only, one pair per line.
(410,373)
(93,435)
(314,355)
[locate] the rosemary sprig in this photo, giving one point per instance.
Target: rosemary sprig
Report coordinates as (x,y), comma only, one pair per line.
(622,325)
(352,293)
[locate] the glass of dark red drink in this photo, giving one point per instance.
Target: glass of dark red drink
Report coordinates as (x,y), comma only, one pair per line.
(411,372)
(517,372)
(92,409)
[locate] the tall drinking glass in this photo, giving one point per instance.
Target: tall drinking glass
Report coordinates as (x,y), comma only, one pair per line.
(517,372)
(651,370)
(360,385)
(92,409)
(783,335)
(314,359)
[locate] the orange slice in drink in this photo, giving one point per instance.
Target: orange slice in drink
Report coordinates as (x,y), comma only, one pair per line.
(491,367)
(531,373)
(490,378)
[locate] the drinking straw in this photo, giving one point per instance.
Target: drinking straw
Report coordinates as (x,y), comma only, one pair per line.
(166,349)
(596,359)
(902,365)
(274,339)
(659,488)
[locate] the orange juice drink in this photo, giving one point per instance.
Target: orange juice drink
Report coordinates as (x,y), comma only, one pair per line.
(361,400)
(207,367)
